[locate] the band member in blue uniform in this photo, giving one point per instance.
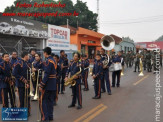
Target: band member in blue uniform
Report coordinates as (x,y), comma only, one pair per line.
(97,74)
(37,65)
(32,57)
(85,64)
(0,88)
(21,73)
(64,66)
(73,69)
(6,83)
(48,86)
(105,77)
(58,76)
(116,59)
(14,59)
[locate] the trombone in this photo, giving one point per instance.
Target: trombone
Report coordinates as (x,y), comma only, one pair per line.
(31,84)
(37,92)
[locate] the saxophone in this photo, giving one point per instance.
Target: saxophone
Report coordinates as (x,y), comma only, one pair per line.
(71,80)
(33,73)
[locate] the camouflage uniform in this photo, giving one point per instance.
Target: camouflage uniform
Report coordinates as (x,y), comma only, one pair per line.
(148,59)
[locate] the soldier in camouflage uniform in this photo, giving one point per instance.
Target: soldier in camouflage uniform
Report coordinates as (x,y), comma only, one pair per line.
(132,57)
(148,61)
(143,54)
(137,61)
(127,59)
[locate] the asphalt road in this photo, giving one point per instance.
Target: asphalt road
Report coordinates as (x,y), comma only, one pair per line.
(134,101)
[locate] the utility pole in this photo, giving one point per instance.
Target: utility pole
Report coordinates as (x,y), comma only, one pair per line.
(67,23)
(98,17)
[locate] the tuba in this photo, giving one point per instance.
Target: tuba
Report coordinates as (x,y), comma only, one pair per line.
(108,43)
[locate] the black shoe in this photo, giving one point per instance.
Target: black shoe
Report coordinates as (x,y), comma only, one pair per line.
(113,85)
(51,119)
(79,107)
(54,104)
(103,91)
(109,93)
(45,121)
(62,92)
(94,97)
(70,106)
(134,71)
(29,114)
(85,89)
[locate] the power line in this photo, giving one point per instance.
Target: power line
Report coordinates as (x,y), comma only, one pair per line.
(151,17)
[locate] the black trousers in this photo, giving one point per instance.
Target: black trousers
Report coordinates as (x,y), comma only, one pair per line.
(97,86)
(4,94)
(47,100)
(77,95)
(24,99)
(62,82)
(114,75)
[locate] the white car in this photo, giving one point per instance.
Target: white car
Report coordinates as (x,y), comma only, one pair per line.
(20,29)
(33,32)
(5,27)
(43,34)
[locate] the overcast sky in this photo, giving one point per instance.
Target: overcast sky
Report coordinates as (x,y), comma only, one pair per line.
(141,20)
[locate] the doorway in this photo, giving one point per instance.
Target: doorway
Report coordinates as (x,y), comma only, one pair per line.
(91,52)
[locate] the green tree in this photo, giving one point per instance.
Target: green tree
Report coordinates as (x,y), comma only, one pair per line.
(86,19)
(160,38)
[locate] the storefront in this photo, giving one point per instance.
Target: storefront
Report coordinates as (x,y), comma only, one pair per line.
(87,41)
(21,34)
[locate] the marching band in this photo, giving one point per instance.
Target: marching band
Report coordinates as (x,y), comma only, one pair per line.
(34,79)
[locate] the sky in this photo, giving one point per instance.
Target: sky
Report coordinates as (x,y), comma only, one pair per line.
(141,20)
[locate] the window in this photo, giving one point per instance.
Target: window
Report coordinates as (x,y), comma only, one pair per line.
(89,41)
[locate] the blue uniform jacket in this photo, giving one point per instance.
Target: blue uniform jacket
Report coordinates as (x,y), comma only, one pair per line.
(20,72)
(116,59)
(49,80)
(59,73)
(38,65)
(32,58)
(73,69)
(64,61)
(13,61)
(84,64)
(98,68)
(5,74)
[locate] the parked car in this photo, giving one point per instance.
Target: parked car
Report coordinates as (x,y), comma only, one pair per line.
(33,32)
(5,27)
(43,34)
(20,29)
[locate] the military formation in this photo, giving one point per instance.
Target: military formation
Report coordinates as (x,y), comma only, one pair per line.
(33,78)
